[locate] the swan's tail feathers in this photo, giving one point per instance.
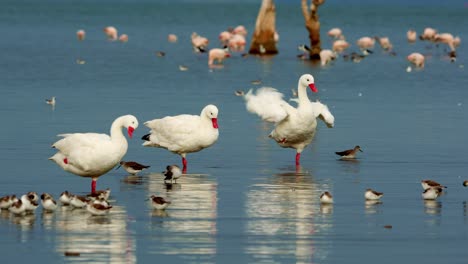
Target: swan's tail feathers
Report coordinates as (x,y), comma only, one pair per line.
(267,103)
(146,137)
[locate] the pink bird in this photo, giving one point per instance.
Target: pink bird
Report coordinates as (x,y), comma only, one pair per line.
(237,43)
(428,34)
(335,33)
(172,38)
(240,30)
(417,59)
(445,38)
(365,43)
(81,34)
(224,37)
(385,43)
(199,43)
(123,38)
(326,56)
(111,33)
(411,35)
(340,45)
(217,55)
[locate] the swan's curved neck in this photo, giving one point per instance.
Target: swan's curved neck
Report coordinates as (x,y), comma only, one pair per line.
(116,130)
(302,93)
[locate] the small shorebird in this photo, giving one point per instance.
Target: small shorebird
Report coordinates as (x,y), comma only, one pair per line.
(100,194)
(51,101)
(426,184)
(7,201)
(465,183)
(431,193)
(326,198)
(18,208)
(48,202)
(372,195)
(173,172)
(79,201)
(183,68)
(349,153)
(159,202)
(98,208)
(30,201)
(65,198)
(160,53)
(132,167)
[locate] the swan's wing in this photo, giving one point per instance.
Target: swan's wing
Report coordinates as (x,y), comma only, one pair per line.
(321,111)
(173,129)
(80,140)
(267,103)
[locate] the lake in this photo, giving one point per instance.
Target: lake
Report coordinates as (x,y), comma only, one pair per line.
(243,199)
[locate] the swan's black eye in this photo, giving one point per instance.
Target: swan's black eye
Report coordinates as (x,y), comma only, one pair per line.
(307,79)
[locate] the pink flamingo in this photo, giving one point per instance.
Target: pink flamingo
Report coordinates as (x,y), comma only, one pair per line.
(111,33)
(445,38)
(428,34)
(81,34)
(417,59)
(385,43)
(411,35)
(240,30)
(123,38)
(218,55)
(237,43)
(199,43)
(335,33)
(365,43)
(340,45)
(224,37)
(172,38)
(326,56)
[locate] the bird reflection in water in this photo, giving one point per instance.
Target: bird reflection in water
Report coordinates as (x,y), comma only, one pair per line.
(281,208)
(432,207)
(372,206)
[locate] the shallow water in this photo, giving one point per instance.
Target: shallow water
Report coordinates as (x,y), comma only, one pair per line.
(244,201)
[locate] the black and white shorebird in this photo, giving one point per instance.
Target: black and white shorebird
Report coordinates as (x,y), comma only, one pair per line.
(326,198)
(426,184)
(372,195)
(431,193)
(65,198)
(172,173)
(132,167)
(97,208)
(7,201)
(159,203)
(349,153)
(51,101)
(48,202)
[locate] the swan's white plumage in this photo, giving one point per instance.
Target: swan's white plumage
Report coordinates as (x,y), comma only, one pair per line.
(295,126)
(93,154)
(184,134)
(265,104)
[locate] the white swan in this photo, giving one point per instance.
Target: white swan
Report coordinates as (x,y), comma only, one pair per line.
(295,127)
(184,134)
(92,154)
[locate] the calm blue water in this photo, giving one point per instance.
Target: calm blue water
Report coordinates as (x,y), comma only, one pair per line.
(244,201)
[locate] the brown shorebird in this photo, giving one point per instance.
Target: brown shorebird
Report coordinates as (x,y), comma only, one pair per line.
(132,167)
(159,202)
(326,198)
(426,184)
(349,153)
(372,195)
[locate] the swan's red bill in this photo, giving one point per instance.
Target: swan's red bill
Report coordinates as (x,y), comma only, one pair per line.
(130,131)
(313,88)
(215,122)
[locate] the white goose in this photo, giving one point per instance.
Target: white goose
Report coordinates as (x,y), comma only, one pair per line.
(295,127)
(184,134)
(92,154)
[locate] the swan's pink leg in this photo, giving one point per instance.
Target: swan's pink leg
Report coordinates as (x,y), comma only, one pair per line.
(298,158)
(93,186)
(184,163)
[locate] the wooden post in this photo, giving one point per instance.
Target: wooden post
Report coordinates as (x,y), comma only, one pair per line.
(312,25)
(263,38)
